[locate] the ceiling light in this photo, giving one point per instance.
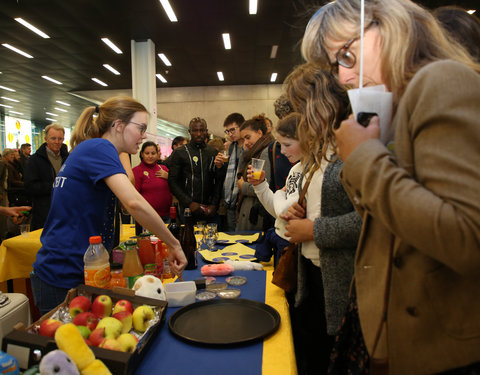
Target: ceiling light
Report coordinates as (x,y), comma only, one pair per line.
(111,45)
(226,41)
(63,103)
(51,114)
(6,106)
(113,70)
(273,78)
(7,88)
(12,100)
(220,76)
(14,49)
(252,6)
(273,53)
(31,27)
(17,113)
(99,82)
(168,9)
(52,80)
(471,11)
(61,109)
(50,119)
(161,78)
(164,59)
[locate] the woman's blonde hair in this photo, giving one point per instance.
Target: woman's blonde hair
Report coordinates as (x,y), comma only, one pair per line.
(410,37)
(117,108)
(323,104)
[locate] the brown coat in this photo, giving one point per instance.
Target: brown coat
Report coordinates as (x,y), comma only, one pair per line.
(422,203)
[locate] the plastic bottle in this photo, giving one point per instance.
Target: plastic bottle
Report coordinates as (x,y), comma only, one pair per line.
(132,267)
(96,264)
(166,272)
(188,241)
(116,276)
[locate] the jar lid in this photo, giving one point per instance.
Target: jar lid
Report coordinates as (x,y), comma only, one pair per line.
(95,239)
(228,293)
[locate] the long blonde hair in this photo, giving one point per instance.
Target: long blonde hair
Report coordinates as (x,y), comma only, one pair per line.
(117,108)
(322,102)
(410,37)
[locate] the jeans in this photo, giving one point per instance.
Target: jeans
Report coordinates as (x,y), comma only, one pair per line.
(46,296)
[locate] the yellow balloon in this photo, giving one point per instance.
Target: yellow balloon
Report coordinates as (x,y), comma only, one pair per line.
(18,125)
(10,137)
(27,138)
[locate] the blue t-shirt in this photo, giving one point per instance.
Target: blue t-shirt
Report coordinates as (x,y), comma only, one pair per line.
(82,206)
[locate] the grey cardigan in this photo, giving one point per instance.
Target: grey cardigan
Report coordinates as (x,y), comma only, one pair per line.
(336,234)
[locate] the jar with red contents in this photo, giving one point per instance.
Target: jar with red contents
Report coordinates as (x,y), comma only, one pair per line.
(145,249)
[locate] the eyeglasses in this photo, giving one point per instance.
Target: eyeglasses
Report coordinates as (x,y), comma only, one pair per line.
(141,127)
(231,130)
(344,56)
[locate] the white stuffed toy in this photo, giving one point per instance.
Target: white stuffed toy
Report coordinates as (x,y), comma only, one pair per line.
(245,265)
(151,287)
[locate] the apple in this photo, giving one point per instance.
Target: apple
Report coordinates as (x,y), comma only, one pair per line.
(113,327)
(49,326)
(141,316)
(78,305)
(84,331)
(97,336)
(111,344)
(86,319)
(87,341)
(126,318)
(127,342)
(102,306)
(123,305)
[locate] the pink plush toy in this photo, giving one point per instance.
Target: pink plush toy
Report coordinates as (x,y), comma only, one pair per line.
(217,269)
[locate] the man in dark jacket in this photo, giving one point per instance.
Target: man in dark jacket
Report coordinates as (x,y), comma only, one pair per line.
(41,170)
(193,178)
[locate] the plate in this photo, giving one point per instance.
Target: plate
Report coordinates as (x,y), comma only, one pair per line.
(224,322)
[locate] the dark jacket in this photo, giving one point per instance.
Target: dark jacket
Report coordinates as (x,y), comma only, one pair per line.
(280,167)
(16,191)
(193,176)
(39,178)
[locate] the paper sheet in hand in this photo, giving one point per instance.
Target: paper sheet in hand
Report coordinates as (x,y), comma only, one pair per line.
(229,239)
(234,252)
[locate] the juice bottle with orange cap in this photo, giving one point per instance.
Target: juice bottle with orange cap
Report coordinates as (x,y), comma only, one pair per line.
(96,264)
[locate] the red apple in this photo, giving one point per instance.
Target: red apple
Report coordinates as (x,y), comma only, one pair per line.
(102,306)
(111,344)
(87,341)
(78,305)
(127,342)
(123,305)
(126,318)
(97,336)
(87,319)
(48,327)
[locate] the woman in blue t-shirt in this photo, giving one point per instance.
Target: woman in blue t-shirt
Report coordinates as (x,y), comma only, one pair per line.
(84,196)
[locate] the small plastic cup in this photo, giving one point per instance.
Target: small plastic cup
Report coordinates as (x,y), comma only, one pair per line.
(24,229)
(225,155)
(257,165)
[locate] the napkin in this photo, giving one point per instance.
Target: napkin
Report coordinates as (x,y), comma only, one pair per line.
(238,252)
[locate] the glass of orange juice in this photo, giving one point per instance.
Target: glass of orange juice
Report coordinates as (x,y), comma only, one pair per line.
(257,165)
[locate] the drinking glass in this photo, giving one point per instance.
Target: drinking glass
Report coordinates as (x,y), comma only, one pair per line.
(199,231)
(211,236)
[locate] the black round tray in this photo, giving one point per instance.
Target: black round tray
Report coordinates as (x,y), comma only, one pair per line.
(224,322)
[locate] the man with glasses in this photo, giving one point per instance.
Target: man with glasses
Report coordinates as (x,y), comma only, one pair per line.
(193,178)
(40,172)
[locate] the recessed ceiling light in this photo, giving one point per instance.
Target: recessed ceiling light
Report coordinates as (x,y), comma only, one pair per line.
(31,27)
(19,51)
(113,70)
(51,114)
(50,119)
(7,88)
(52,80)
(10,99)
(61,109)
(6,106)
(168,9)
(273,53)
(165,60)
(17,113)
(99,82)
(226,41)
(471,11)
(220,76)
(252,6)
(63,103)
(273,78)
(161,78)
(111,45)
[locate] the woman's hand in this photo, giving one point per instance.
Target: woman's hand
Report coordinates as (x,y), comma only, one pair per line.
(295,212)
(162,173)
(177,261)
(351,134)
(299,230)
(252,180)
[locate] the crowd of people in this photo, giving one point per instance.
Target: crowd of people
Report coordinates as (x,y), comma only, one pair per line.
(389,230)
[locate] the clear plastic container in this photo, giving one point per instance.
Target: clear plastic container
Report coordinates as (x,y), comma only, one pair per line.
(96,264)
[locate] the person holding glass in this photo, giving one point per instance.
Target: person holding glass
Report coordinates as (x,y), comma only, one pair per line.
(416,268)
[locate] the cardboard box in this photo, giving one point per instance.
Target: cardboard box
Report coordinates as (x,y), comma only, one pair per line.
(29,348)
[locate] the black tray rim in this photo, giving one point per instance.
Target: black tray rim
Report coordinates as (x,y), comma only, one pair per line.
(237,301)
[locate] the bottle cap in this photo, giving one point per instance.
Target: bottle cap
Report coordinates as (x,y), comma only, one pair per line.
(116,266)
(130,243)
(95,239)
(144,234)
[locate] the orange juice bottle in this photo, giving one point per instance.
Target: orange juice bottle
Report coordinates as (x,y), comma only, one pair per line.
(166,271)
(96,264)
(132,267)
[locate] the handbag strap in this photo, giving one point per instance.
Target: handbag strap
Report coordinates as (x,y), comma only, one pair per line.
(307,183)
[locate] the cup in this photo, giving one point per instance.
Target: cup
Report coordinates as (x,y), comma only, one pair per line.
(225,155)
(24,229)
(257,165)
(199,232)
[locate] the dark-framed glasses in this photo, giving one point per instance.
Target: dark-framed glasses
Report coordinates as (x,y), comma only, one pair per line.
(231,130)
(141,127)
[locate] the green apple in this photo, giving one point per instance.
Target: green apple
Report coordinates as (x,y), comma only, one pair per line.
(84,331)
(141,316)
(127,342)
(113,327)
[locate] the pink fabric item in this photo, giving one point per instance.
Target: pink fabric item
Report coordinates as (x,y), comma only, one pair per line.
(216,269)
